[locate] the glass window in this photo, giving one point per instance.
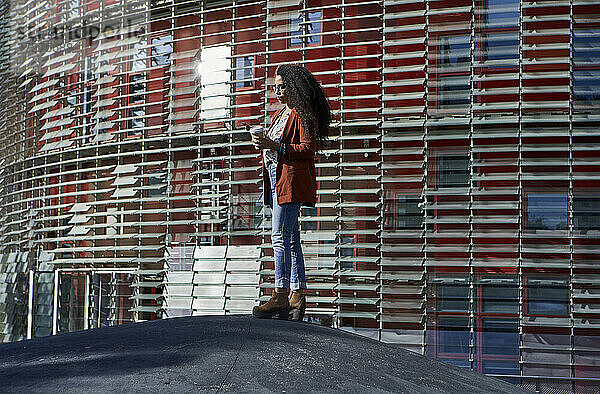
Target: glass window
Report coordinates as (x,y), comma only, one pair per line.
(73,9)
(586,46)
(87,109)
(137,120)
(139,57)
(586,59)
(500,367)
(136,88)
(161,50)
(454,51)
(547,211)
(156,184)
(586,86)
(453,171)
(71,99)
(71,302)
(547,296)
(314,28)
(310,224)
(451,75)
(402,212)
(586,212)
(453,335)
(459,363)
(453,297)
(244,71)
(454,91)
(499,295)
(247,211)
(88,69)
(348,251)
(498,46)
(499,336)
(501,13)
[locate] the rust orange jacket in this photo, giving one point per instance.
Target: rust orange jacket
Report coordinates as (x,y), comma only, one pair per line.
(296,174)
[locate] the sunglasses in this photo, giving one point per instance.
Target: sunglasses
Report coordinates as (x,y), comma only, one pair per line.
(279,87)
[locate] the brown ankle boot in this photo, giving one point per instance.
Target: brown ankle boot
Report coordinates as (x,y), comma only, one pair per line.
(297,305)
(278,305)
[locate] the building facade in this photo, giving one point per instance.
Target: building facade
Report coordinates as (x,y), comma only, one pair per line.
(458,210)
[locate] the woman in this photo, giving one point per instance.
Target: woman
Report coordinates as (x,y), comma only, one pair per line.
(289,178)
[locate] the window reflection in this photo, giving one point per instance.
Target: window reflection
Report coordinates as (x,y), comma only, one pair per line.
(501,13)
(586,212)
(313,26)
(215,79)
(586,61)
(499,295)
(453,297)
(455,51)
(492,318)
(499,336)
(454,336)
(247,211)
(497,46)
(453,171)
(244,71)
(546,211)
(161,50)
(547,296)
(452,76)
(402,212)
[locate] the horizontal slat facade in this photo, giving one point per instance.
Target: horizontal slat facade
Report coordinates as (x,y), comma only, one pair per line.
(458,210)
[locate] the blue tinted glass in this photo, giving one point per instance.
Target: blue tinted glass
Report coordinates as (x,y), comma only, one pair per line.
(161,50)
(586,86)
(500,367)
(456,342)
(502,13)
(586,46)
(497,46)
(296,31)
(548,308)
(313,28)
(454,92)
(546,211)
(545,298)
(500,336)
(453,335)
(402,212)
(244,73)
(454,50)
(349,251)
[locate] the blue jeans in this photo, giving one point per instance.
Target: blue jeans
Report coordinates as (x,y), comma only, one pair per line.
(285,238)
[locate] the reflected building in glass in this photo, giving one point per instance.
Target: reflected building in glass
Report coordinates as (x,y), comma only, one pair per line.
(458,209)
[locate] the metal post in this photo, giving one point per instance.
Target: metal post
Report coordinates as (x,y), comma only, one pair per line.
(55,303)
(30,306)
(425,182)
(86,303)
(99,301)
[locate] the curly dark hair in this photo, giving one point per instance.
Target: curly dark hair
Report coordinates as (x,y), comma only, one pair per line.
(306,95)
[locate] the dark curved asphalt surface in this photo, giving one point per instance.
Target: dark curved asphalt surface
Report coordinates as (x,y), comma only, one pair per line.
(228,354)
